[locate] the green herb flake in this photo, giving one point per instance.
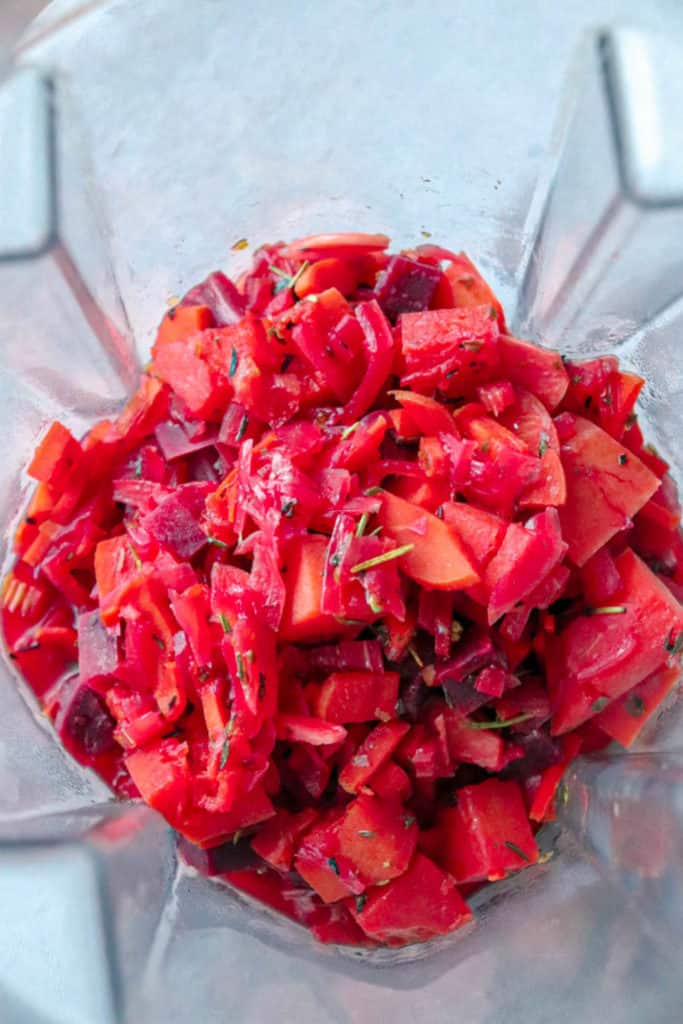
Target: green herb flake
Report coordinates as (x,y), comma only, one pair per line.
(502,724)
(242,429)
(158,641)
(387,556)
(543,443)
(362,524)
(225,753)
(138,467)
(365,834)
(360,902)
(373,604)
(288,507)
(635,706)
(375,532)
(674,644)
(237,836)
(599,705)
(623,459)
(241,674)
(515,849)
(233,362)
(227,628)
(408,821)
(333,864)
(370,492)
(302,270)
(216,542)
(347,431)
(608,609)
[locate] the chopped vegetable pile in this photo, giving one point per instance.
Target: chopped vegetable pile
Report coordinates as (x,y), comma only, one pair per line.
(353,577)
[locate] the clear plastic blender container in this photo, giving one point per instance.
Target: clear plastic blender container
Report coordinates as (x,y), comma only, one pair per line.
(139,142)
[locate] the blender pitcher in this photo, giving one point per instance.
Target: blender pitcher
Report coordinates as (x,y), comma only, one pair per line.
(138,143)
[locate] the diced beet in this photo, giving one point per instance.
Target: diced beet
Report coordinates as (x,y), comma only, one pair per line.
(487,833)
(83,720)
(406,286)
(219,294)
(175,523)
(419,905)
(378,837)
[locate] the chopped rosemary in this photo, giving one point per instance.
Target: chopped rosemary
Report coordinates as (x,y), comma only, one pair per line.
(515,849)
(608,609)
(233,363)
(362,523)
(364,834)
(242,429)
(333,864)
(288,507)
(599,704)
(347,431)
(674,644)
(216,542)
(543,443)
(635,706)
(502,724)
(225,752)
(241,674)
(370,563)
(227,628)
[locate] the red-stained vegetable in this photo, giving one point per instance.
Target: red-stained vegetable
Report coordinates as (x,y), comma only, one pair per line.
(354,575)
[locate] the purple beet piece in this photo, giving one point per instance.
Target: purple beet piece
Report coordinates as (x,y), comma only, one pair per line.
(406,286)
(175,522)
(474,652)
(462,695)
(539,751)
(412,696)
(98,655)
(221,296)
(83,721)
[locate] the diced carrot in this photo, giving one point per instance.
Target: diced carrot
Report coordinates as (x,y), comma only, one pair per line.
(437,559)
(302,619)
